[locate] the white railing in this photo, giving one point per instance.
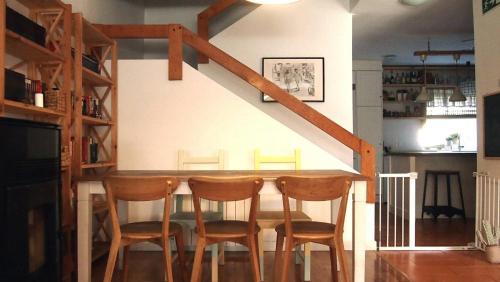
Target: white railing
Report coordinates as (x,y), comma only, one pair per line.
(487,202)
(396,211)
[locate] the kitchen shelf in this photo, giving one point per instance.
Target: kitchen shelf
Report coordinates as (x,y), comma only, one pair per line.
(28,50)
(31,109)
(98,165)
(91,78)
(403,102)
(430,86)
(96,121)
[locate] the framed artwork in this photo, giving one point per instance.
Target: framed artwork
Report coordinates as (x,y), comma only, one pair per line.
(302,77)
(491,125)
(489,4)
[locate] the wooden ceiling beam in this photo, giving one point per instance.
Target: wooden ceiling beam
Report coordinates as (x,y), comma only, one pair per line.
(135,31)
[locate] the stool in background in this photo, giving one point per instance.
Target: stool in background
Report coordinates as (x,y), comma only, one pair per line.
(447,210)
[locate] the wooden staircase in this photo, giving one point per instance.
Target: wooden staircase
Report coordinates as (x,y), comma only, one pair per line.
(177,35)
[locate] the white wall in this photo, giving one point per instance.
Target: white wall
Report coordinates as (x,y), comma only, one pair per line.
(487,46)
(301,29)
(114,12)
(158,117)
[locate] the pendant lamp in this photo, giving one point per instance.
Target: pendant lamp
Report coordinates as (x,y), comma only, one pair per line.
(424,96)
(457,95)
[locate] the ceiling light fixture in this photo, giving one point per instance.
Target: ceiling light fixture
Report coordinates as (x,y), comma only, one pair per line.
(413,2)
(457,95)
(272,1)
(424,95)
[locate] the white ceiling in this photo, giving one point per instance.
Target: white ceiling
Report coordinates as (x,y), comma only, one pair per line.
(382,27)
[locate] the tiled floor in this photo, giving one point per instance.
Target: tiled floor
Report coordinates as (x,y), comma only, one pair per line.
(439,266)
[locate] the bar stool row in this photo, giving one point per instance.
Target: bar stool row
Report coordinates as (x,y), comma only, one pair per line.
(296,233)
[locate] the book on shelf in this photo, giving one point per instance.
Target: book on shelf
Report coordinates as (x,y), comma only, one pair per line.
(90,153)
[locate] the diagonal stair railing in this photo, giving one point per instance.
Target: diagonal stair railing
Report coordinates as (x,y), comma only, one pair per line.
(179,35)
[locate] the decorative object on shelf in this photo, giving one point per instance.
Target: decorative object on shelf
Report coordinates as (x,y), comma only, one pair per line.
(413,2)
(491,241)
(55,100)
(489,4)
(302,77)
(39,95)
(15,86)
(24,26)
(424,95)
(457,95)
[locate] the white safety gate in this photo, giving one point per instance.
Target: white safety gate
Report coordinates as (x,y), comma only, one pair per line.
(396,211)
(487,202)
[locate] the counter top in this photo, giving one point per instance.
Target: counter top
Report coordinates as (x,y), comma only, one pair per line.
(431,153)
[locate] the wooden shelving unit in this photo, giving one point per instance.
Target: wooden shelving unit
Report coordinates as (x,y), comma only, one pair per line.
(102,87)
(90,41)
(53,67)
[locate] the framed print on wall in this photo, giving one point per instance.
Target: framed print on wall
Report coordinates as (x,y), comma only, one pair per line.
(489,4)
(302,77)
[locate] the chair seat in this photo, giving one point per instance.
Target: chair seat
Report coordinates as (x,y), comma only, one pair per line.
(228,228)
(309,229)
(147,229)
(207,216)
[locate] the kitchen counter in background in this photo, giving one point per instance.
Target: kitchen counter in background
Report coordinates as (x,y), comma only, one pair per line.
(430,153)
(419,161)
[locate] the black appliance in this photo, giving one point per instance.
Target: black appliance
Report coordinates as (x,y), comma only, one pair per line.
(29,201)
(15,86)
(24,26)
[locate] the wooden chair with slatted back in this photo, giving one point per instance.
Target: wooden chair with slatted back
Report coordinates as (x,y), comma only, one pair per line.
(301,232)
(150,188)
(237,231)
(271,219)
(184,211)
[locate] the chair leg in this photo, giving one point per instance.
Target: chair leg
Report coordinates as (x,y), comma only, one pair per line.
(425,192)
(198,260)
(215,262)
(286,259)
(307,262)
(181,255)
(110,267)
(278,255)
(221,253)
(339,245)
(254,259)
(167,256)
(333,262)
(125,263)
(261,253)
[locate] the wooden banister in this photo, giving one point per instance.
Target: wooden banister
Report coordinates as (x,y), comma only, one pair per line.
(204,19)
(364,149)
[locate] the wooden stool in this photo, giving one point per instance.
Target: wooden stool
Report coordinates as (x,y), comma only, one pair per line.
(271,219)
(215,232)
(129,188)
(301,232)
(448,210)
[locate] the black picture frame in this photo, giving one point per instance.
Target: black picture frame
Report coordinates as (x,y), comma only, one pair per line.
(302,77)
(491,128)
(489,4)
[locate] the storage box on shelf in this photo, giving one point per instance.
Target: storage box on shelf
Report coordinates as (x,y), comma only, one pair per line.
(35,50)
(402,85)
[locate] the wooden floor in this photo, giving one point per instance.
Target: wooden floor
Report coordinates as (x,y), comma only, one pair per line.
(456,266)
(441,232)
(147,267)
